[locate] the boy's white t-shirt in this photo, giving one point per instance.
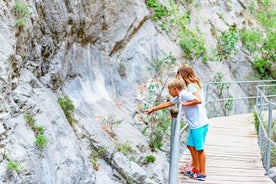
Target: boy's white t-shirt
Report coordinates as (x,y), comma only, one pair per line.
(195,115)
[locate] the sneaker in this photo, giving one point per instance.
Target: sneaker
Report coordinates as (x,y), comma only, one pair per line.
(186,173)
(196,175)
(186,170)
(200,177)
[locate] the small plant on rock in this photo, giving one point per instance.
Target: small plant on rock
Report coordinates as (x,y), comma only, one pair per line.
(21,12)
(150,159)
(68,108)
(13,166)
(41,141)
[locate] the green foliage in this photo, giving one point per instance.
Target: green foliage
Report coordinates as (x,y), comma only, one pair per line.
(192,45)
(156,139)
(227,43)
(264,11)
(256,122)
(220,86)
(21,12)
(229,103)
(41,141)
(20,22)
(263,67)
(162,65)
(157,124)
(150,159)
(223,93)
(13,166)
(251,39)
(122,69)
(270,46)
(125,148)
(111,122)
(39,130)
(273,157)
(94,157)
(29,120)
(160,10)
(68,108)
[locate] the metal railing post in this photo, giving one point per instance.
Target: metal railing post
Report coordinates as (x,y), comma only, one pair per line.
(174,145)
(268,142)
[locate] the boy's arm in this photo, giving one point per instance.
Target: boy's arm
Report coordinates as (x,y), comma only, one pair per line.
(160,106)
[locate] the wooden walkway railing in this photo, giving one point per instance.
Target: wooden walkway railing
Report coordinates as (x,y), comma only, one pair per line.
(232,152)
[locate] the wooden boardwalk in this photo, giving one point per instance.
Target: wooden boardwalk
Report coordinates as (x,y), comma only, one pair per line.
(232,152)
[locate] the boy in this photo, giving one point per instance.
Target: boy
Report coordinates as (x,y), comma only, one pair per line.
(197,121)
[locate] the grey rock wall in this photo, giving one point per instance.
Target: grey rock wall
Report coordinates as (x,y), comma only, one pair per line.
(96,52)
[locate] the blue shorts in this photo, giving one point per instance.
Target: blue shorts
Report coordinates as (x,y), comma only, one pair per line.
(197,137)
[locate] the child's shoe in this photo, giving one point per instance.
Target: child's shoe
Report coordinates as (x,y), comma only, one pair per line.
(196,175)
(201,177)
(186,170)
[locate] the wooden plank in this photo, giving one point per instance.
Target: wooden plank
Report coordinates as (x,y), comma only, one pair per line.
(232,152)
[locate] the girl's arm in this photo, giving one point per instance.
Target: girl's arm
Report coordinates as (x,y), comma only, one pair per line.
(196,101)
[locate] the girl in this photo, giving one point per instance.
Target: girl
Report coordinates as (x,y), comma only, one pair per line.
(196,136)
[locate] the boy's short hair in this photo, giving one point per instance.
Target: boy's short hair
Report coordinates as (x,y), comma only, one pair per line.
(176,82)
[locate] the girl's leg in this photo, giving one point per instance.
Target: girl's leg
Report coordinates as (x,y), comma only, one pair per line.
(202,161)
(194,154)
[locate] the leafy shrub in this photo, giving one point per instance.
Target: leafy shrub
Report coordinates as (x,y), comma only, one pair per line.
(68,108)
(256,122)
(192,45)
(150,159)
(39,130)
(21,12)
(227,43)
(250,39)
(13,166)
(29,120)
(41,141)
(159,9)
(263,67)
(95,154)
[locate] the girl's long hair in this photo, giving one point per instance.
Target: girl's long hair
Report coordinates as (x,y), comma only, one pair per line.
(187,74)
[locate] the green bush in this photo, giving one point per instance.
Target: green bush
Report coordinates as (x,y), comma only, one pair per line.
(39,130)
(159,9)
(263,67)
(192,45)
(29,120)
(227,43)
(21,12)
(68,108)
(150,159)
(13,166)
(41,141)
(251,38)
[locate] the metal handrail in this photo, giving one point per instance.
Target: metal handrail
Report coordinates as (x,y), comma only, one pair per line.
(264,136)
(206,87)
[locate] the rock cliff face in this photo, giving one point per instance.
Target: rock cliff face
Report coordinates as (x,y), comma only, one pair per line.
(96,52)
